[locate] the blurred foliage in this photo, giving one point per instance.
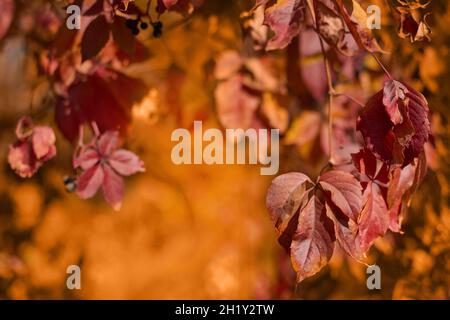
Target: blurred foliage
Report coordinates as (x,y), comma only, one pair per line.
(197,232)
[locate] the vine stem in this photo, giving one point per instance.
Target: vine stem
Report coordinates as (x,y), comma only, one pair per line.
(331,91)
(339,94)
(381,65)
(331,94)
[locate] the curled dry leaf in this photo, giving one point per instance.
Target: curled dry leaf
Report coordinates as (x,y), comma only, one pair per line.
(413,24)
(355,18)
(285,18)
(34,146)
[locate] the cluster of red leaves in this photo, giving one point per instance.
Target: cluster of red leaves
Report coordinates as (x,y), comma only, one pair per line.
(83,67)
(353,203)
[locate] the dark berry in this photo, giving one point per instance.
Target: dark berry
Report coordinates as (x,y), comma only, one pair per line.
(132,24)
(144,25)
(157,29)
(70,183)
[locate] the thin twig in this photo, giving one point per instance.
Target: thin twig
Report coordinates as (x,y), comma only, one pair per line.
(331,93)
(381,65)
(339,94)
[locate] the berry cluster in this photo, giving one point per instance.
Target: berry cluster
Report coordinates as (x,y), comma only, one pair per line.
(135,25)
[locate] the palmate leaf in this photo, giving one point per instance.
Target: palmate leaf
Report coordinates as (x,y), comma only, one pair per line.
(309,217)
(394,123)
(300,219)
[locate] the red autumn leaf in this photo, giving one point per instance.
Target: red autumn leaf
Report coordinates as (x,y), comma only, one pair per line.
(355,18)
(313,242)
(284,18)
(304,229)
(401,181)
(343,195)
(95,37)
(312,69)
(103,164)
(105,98)
(35,145)
(344,191)
(95,9)
(346,231)
(331,27)
(7,8)
(122,36)
(393,94)
(285,196)
(374,219)
(236,105)
(395,143)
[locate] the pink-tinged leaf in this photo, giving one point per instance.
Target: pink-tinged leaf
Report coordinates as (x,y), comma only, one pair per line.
(87,159)
(228,64)
(285,195)
(126,163)
(346,231)
(95,37)
(236,106)
(90,181)
(356,21)
(108,142)
(344,191)
(7,8)
(393,91)
(35,145)
(43,141)
(401,181)
(313,242)
(374,220)
(113,188)
(22,159)
(332,28)
(285,18)
(420,171)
